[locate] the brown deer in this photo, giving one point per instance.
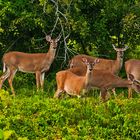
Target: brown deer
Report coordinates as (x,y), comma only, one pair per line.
(132,66)
(37,63)
(73,84)
(112,66)
(105,80)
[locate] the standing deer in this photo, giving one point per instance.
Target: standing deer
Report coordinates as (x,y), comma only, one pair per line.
(73,84)
(105,80)
(112,66)
(37,63)
(132,66)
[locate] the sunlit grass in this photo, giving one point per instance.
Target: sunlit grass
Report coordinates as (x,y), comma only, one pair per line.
(37,115)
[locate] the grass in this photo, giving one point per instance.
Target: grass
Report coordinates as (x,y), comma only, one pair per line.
(35,116)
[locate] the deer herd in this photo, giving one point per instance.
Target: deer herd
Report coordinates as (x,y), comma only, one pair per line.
(84,72)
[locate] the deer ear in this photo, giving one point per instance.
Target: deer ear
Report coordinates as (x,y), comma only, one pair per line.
(84,60)
(48,38)
(131,77)
(96,60)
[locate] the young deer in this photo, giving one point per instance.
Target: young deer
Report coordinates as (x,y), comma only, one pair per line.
(112,66)
(105,80)
(73,84)
(132,66)
(37,63)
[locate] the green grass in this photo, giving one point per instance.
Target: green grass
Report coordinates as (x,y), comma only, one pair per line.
(37,116)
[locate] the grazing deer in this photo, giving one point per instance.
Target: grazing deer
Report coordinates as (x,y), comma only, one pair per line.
(132,66)
(73,84)
(37,63)
(112,66)
(105,80)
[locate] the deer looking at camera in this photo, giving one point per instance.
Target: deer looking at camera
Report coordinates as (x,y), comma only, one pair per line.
(73,84)
(37,63)
(132,66)
(105,80)
(112,66)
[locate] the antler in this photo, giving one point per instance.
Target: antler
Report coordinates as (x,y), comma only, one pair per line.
(114,47)
(59,37)
(126,47)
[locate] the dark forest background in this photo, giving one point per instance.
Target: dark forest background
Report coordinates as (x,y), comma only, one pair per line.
(87,27)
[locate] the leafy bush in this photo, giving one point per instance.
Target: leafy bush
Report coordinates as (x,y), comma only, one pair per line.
(42,117)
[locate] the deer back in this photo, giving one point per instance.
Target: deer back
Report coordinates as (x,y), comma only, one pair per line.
(105,64)
(31,62)
(112,66)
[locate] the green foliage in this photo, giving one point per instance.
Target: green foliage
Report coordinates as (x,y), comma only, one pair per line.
(42,117)
(93,26)
(91,23)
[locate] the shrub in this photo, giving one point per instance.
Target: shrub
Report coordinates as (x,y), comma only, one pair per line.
(42,117)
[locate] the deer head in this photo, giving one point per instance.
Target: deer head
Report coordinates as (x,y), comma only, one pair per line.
(120,51)
(136,83)
(53,42)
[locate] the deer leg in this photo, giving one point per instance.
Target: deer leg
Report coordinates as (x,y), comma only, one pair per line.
(129,92)
(42,80)
(38,75)
(10,80)
(4,77)
(103,94)
(114,92)
(58,93)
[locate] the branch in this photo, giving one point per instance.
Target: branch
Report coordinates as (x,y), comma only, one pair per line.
(13,43)
(58,20)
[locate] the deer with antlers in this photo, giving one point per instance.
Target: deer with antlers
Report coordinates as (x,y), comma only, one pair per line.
(112,66)
(73,84)
(132,66)
(37,63)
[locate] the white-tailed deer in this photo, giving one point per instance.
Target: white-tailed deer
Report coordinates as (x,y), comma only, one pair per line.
(112,66)
(73,84)
(132,66)
(105,80)
(37,63)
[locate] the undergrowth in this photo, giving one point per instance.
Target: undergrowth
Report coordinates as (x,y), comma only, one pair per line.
(35,115)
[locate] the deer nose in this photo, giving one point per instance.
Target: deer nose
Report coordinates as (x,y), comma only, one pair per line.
(121,55)
(90,69)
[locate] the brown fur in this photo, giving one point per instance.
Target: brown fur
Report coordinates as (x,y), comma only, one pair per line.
(132,66)
(37,63)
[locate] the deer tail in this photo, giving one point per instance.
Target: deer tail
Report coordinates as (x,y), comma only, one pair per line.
(4,67)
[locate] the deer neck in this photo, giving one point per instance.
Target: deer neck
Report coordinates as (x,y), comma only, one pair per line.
(51,54)
(118,64)
(88,78)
